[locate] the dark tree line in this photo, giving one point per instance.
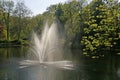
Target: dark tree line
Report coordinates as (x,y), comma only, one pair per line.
(91,26)
(14,18)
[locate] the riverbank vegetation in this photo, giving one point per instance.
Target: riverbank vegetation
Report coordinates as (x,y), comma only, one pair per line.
(91,26)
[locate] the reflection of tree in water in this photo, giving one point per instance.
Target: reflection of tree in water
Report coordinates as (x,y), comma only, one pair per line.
(107,68)
(13,52)
(113,66)
(4,52)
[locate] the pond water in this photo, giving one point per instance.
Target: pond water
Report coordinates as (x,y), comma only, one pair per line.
(107,68)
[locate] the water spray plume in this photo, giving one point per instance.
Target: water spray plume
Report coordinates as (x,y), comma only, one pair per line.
(48,49)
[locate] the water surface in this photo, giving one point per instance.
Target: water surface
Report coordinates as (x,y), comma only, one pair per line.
(85,69)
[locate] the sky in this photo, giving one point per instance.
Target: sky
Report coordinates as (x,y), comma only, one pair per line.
(39,6)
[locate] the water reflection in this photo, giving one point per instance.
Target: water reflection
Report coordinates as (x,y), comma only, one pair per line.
(87,69)
(13,52)
(9,58)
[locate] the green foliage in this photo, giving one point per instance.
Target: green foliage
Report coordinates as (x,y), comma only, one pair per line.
(93,26)
(6,8)
(3,32)
(101,30)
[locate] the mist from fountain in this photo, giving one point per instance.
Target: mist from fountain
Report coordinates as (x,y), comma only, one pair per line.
(48,49)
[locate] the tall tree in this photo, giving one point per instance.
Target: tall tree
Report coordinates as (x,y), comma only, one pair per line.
(6,7)
(101,31)
(2,31)
(21,11)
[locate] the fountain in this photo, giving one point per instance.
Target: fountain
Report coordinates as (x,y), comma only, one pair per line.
(48,45)
(48,49)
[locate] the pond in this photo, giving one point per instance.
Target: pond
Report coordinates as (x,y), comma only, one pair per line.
(107,68)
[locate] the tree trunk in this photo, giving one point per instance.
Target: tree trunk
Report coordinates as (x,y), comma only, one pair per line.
(19,28)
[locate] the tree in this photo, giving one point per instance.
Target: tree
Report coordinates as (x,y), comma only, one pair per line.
(6,8)
(101,31)
(21,11)
(3,32)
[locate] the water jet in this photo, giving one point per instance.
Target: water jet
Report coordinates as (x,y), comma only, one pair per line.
(48,49)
